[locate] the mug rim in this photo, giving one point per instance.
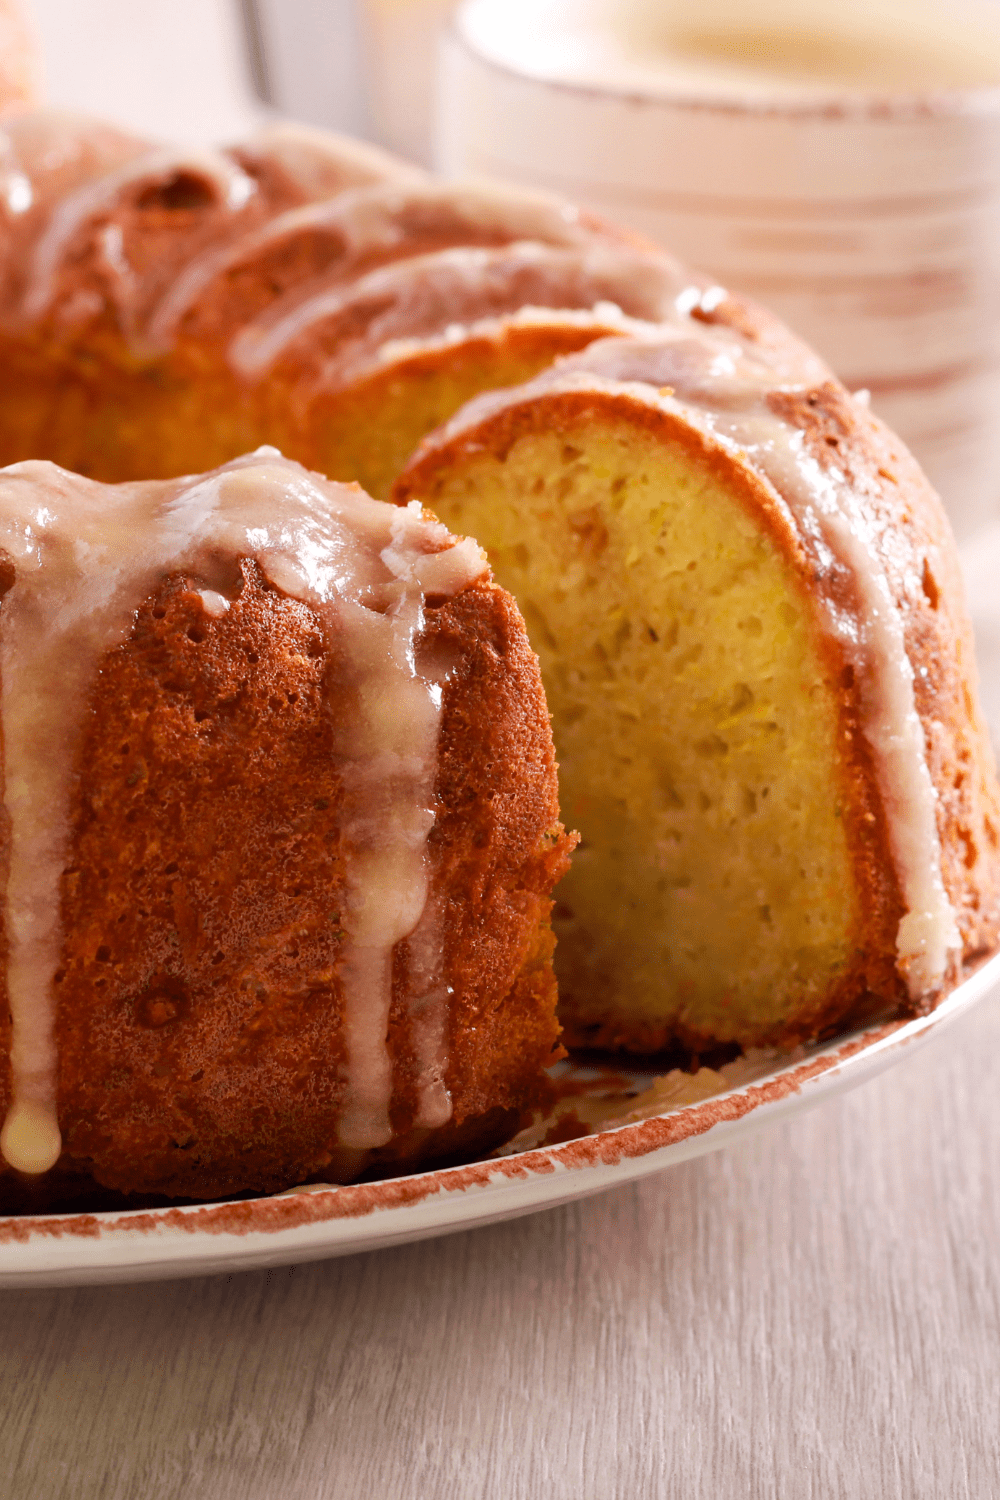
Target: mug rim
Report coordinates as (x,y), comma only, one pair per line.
(979,101)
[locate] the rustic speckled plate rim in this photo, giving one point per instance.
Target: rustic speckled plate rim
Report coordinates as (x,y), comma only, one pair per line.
(320,1222)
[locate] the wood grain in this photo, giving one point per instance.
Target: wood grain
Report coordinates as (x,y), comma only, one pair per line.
(815,1314)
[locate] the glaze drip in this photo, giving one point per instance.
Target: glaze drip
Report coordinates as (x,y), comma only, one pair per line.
(85,556)
(373,224)
(427,293)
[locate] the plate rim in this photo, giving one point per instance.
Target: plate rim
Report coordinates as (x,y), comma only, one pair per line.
(316,1222)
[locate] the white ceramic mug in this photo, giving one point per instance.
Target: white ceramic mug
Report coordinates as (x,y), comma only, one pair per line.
(841,166)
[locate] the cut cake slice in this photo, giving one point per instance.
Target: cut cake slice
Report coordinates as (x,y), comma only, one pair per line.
(746,603)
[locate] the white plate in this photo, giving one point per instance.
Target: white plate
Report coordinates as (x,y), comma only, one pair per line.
(310,1224)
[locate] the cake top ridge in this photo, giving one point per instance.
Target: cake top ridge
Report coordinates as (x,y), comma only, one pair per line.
(366,227)
(103,226)
(346,324)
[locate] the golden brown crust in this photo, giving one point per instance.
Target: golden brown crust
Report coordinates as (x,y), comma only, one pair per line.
(922,568)
(198,998)
(501,849)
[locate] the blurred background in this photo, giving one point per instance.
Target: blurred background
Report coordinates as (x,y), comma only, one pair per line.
(208,70)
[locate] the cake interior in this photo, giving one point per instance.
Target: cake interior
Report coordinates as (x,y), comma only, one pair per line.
(98,409)
(695,723)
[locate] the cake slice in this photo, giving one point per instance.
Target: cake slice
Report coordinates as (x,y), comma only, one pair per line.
(746,604)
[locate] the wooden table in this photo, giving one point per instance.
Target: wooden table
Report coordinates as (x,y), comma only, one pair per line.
(815,1314)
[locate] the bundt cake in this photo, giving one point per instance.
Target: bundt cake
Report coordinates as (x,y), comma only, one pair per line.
(281,833)
(744,596)
(747,606)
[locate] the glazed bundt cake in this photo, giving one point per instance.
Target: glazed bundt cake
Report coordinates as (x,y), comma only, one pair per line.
(281,834)
(747,606)
(744,597)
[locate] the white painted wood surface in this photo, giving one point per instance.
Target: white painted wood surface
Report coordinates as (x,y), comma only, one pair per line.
(815,1315)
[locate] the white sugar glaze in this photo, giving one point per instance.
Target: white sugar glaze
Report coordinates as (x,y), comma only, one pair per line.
(85,557)
(426,293)
(429,1006)
(375,205)
(603,319)
(99,199)
(377,221)
(56,151)
(714,381)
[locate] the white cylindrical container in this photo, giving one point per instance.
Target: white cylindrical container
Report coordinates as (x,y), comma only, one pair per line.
(366,67)
(843,167)
(400,42)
